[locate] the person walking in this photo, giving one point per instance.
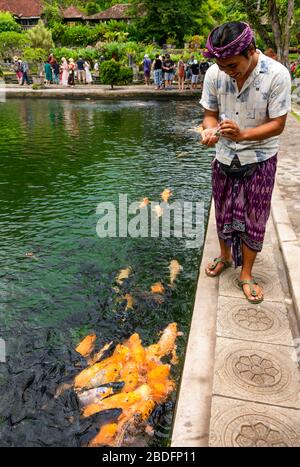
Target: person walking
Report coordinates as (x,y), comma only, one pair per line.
(246,97)
(17,69)
(25,72)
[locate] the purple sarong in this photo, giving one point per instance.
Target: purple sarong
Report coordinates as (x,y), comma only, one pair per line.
(243,206)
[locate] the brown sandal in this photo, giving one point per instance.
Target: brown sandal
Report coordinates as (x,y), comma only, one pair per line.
(216,261)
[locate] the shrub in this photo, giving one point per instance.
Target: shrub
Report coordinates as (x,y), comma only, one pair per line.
(125,75)
(110,72)
(7,23)
(40,37)
(12,43)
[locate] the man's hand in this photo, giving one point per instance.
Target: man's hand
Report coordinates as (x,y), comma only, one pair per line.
(209,137)
(230,130)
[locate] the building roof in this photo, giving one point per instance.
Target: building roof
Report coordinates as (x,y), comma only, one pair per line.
(120,11)
(22,8)
(72,12)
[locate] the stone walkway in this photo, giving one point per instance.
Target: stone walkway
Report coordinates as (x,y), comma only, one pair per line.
(95,92)
(247,391)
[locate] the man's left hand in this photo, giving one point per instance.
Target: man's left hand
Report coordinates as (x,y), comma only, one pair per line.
(230,130)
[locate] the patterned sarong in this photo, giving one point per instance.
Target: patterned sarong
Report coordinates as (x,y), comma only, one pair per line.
(243,206)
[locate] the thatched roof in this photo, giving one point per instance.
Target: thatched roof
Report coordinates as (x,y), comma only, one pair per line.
(71,13)
(120,11)
(22,8)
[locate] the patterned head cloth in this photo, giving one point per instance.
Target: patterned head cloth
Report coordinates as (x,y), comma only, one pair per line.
(233,48)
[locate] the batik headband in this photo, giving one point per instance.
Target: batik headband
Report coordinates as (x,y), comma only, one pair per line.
(233,48)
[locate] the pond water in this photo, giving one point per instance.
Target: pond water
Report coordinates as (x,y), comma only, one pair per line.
(58,161)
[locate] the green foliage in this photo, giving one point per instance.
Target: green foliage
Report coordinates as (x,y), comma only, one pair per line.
(125,75)
(110,72)
(8,23)
(92,8)
(40,37)
(35,55)
(51,13)
(164,18)
(12,43)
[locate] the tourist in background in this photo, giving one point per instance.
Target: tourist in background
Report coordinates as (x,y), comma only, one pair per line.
(188,71)
(195,74)
(147,69)
(88,75)
(71,79)
(25,72)
(17,68)
(80,71)
(168,67)
(55,70)
(181,74)
(48,73)
(157,71)
(65,71)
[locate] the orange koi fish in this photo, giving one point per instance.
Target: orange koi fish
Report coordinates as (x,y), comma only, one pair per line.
(86,346)
(123,274)
(157,288)
(105,436)
(165,195)
(99,354)
(175,269)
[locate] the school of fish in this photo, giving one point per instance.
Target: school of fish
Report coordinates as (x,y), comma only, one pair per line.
(133,379)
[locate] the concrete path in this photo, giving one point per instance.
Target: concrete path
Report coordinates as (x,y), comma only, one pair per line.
(241,380)
(95,92)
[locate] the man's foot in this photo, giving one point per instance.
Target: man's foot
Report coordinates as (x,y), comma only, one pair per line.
(217,266)
(252,291)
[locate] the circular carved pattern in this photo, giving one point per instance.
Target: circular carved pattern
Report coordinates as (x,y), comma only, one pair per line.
(258,430)
(259,435)
(255,373)
(257,370)
(253,319)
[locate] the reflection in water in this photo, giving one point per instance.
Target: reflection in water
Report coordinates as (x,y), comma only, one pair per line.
(58,161)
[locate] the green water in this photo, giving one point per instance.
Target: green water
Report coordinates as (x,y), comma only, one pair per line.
(58,161)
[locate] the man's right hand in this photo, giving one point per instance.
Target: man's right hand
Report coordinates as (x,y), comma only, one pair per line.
(208,137)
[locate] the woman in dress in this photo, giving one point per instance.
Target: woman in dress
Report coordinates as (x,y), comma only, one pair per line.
(181,74)
(48,72)
(65,72)
(88,75)
(71,80)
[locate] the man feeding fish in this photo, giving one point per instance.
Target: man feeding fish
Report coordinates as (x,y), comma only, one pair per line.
(246,98)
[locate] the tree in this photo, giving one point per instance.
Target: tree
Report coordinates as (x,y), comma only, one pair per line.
(110,72)
(7,23)
(160,18)
(271,19)
(11,43)
(40,37)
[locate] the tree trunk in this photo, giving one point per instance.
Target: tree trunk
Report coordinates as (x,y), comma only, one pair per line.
(281,31)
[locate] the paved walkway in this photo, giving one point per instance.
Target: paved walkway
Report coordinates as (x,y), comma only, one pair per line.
(96,92)
(241,380)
